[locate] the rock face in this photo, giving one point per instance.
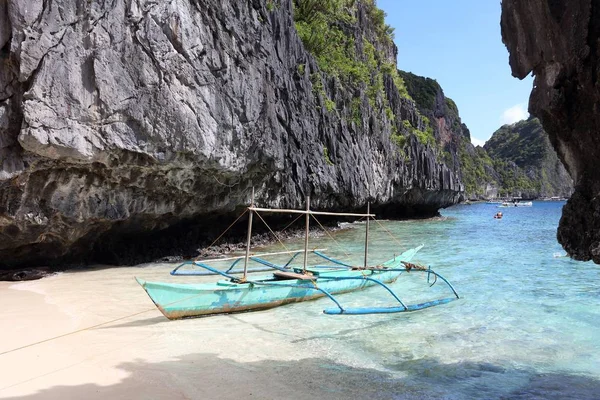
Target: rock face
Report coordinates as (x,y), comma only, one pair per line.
(471,163)
(450,132)
(129,128)
(558,42)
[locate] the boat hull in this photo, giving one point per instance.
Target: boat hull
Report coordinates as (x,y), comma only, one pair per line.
(193,300)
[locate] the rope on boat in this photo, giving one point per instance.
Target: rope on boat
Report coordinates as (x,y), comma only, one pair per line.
(391,235)
(331,237)
(333,260)
(225,231)
(388,232)
(291,223)
(409,266)
(271,230)
(77,331)
(110,322)
(344,249)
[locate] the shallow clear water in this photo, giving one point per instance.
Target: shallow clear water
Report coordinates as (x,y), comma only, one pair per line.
(526,324)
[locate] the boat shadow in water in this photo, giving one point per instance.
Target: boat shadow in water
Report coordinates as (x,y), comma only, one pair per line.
(259,326)
(341,334)
(206,376)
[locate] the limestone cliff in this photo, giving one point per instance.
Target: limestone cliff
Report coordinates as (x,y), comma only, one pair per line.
(130,128)
(471,163)
(558,41)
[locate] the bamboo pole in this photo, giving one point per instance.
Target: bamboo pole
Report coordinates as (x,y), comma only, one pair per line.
(306,233)
(249,235)
(290,211)
(258,255)
(367,235)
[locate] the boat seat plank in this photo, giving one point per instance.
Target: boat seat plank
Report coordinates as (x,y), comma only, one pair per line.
(293,275)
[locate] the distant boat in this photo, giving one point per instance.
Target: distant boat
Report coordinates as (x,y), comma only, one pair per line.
(516,204)
(524,204)
(287,284)
(554,198)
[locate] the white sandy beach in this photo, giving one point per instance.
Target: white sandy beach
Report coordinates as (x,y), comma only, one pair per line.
(512,335)
(147,356)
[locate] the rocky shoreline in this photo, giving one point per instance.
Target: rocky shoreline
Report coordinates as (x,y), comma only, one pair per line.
(228,244)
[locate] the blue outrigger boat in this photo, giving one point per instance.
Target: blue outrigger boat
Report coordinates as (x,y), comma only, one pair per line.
(287,284)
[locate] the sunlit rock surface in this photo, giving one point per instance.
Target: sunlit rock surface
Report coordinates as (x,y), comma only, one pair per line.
(129,129)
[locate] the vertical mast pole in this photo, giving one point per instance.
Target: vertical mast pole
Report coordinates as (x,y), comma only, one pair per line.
(306,233)
(367,234)
(249,236)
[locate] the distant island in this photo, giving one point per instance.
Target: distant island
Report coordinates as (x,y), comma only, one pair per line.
(525,163)
(517,161)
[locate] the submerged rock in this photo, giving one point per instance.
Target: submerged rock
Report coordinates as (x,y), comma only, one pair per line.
(24,274)
(558,42)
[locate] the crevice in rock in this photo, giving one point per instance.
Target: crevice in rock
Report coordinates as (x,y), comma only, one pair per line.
(592,40)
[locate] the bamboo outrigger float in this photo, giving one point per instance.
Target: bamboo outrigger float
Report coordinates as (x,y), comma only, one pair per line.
(287,284)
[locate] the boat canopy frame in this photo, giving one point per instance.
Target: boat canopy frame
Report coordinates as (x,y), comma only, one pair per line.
(267,265)
(340,310)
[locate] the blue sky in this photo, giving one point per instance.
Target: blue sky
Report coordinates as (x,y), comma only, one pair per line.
(458,43)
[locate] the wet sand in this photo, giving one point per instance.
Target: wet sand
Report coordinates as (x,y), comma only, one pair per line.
(147,356)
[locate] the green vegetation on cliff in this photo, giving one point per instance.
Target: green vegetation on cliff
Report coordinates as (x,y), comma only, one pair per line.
(423,90)
(450,134)
(475,166)
(356,59)
(526,161)
(523,143)
(327,29)
(425,136)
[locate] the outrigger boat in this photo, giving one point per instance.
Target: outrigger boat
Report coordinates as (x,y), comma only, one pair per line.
(287,284)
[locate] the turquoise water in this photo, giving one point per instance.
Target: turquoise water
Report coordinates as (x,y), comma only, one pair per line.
(526,325)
